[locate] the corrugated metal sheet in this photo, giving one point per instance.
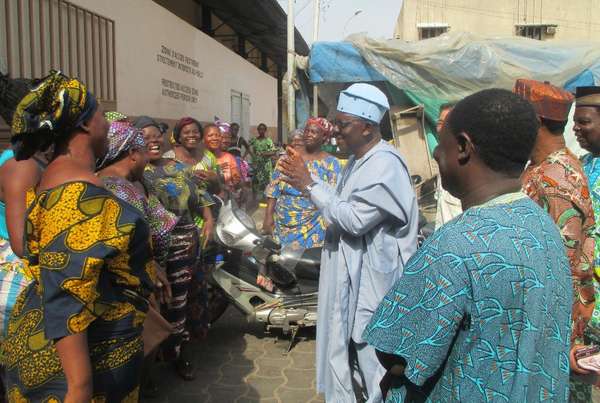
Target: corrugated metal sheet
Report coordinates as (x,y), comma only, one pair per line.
(40,35)
(264,23)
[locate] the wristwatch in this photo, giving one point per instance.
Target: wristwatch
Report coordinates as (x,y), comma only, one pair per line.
(309,187)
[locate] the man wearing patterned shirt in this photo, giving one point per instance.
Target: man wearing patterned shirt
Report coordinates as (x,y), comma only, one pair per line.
(556,181)
(587,132)
(482,311)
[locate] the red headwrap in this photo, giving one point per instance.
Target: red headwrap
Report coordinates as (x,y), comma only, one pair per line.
(323,123)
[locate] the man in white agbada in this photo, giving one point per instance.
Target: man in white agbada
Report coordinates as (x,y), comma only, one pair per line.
(372,219)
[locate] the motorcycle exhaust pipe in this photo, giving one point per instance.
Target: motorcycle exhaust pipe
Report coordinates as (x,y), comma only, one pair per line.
(283,317)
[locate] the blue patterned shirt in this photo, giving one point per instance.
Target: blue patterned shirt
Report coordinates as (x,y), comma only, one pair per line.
(487,300)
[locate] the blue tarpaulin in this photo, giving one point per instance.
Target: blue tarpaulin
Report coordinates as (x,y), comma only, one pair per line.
(587,77)
(449,67)
(339,62)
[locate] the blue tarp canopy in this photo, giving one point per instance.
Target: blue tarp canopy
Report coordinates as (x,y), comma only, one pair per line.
(455,60)
(585,78)
(340,62)
(449,67)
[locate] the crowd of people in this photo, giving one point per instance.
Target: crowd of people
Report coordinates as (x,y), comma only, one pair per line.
(104,219)
(103,230)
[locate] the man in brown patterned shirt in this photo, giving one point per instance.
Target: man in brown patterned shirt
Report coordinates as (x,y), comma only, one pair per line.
(556,181)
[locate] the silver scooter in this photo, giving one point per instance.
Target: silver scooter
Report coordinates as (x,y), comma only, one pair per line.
(243,254)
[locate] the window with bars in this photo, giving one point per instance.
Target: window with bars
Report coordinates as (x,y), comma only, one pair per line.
(426,31)
(537,31)
(40,35)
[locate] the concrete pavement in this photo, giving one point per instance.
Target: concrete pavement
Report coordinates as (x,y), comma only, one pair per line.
(240,364)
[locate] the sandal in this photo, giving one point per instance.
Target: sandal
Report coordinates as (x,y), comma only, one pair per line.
(184,365)
(185,369)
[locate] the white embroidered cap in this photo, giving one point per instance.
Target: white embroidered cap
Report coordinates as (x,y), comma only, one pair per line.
(365,101)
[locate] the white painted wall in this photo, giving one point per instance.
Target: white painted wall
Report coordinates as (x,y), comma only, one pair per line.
(142,27)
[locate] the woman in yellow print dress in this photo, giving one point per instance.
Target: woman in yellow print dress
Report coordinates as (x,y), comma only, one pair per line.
(291,216)
(75,332)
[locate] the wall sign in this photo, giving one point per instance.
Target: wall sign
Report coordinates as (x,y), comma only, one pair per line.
(176,90)
(179,61)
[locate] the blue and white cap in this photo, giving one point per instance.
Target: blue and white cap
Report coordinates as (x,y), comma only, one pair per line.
(365,101)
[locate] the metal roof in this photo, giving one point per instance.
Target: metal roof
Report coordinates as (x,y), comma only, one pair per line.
(262,22)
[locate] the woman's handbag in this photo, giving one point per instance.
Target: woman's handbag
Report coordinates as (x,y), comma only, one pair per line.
(156,330)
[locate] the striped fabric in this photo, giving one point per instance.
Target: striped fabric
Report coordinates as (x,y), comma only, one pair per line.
(12,282)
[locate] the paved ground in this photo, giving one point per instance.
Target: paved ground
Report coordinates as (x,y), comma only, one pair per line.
(240,364)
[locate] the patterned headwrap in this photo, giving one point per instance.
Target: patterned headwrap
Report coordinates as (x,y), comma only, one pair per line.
(12,90)
(122,137)
(323,123)
(549,102)
(174,138)
(114,116)
(223,126)
(51,110)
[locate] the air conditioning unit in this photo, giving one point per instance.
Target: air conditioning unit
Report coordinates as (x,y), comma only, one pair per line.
(551,30)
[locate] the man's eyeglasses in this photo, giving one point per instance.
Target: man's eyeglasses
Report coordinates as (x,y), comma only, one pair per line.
(342,124)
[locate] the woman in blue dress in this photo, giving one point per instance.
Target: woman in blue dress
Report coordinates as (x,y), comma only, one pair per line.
(291,216)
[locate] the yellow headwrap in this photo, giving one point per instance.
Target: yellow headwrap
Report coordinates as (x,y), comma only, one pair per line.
(52,109)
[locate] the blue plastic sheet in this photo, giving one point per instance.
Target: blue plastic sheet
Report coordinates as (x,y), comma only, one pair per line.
(587,77)
(452,66)
(455,65)
(339,62)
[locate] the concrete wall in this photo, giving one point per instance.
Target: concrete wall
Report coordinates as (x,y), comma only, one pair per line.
(575,19)
(148,84)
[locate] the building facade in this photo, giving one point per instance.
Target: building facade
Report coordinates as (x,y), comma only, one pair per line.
(541,19)
(166,59)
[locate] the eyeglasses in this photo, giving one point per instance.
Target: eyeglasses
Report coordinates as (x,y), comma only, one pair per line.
(341,124)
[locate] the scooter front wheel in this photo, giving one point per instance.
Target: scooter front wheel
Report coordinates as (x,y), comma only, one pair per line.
(217,303)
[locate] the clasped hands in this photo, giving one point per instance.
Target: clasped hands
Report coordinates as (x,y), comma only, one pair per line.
(294,170)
